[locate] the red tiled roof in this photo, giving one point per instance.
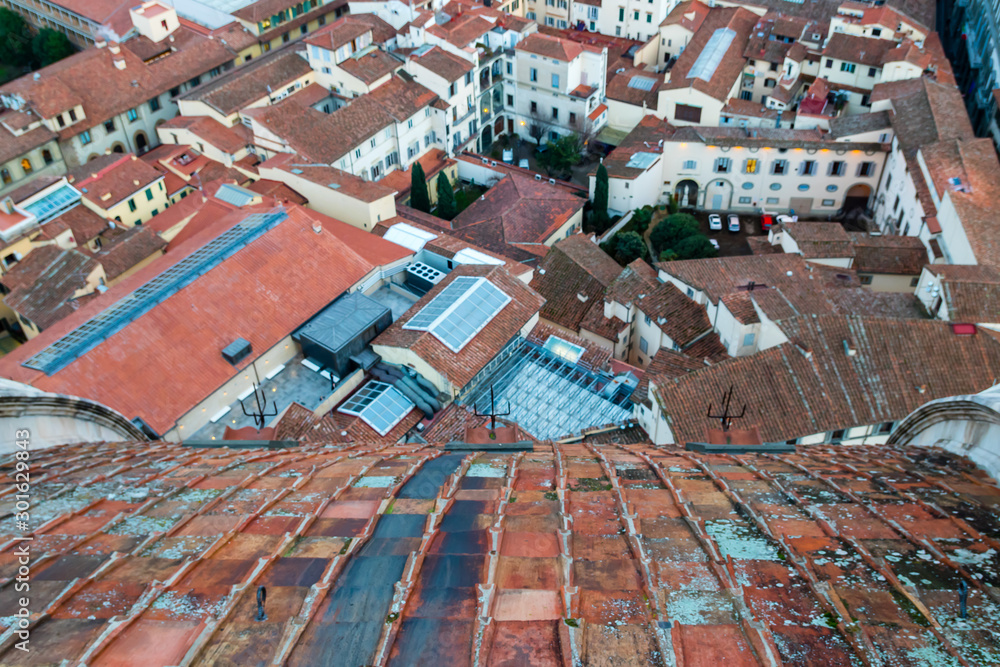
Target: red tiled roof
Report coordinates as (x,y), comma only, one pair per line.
(459,368)
(689,15)
(121,249)
(212,132)
(372,66)
(819,239)
(811,385)
(444,63)
(888,253)
(133,370)
(112,180)
(550,47)
(329,177)
(43,284)
(572,278)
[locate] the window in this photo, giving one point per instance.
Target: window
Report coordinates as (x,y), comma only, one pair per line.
(751,166)
(555,113)
(770,83)
(72,115)
(847,67)
(866,169)
(687,113)
(865,280)
(837,435)
(409,124)
(321,20)
(388,133)
(510,68)
(533,75)
(550,21)
(5,176)
(131,205)
(722,165)
(376,170)
(392,158)
(468,78)
(808,168)
(572,118)
(510,100)
(635,15)
(746,95)
(618,31)
(452,89)
(829,63)
(534,107)
(876,32)
(872,72)
(649,17)
(149,194)
(61,120)
(775,186)
(837,168)
(803,187)
(26,166)
(553,136)
(649,320)
(531,16)
(357,152)
(154,104)
(109,126)
(132,115)
(285,37)
(555,80)
(643,345)
(744,200)
(621,13)
(47,156)
(772,200)
(85,137)
(779,167)
(690,165)
(829,202)
(748,340)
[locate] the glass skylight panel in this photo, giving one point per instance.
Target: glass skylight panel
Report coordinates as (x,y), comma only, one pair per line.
(564,349)
(460,311)
(710,56)
(641,82)
(54,203)
(378,404)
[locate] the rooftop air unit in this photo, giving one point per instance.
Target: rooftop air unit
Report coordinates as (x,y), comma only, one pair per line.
(237,351)
(422,277)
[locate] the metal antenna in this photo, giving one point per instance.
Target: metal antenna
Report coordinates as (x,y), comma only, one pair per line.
(261,599)
(725,418)
(260,414)
(963,596)
(492,414)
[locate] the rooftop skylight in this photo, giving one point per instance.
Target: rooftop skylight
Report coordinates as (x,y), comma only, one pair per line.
(460,311)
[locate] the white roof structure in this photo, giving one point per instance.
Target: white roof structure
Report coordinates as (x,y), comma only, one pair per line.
(378,404)
(710,56)
(460,311)
(408,236)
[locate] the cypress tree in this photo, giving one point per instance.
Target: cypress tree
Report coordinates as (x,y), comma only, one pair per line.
(420,199)
(599,212)
(446,197)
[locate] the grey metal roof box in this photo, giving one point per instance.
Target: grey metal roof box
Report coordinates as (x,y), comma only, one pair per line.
(342,330)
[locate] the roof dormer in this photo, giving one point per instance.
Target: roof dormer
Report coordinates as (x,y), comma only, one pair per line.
(154,21)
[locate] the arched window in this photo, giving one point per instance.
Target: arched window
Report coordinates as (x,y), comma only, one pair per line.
(5,175)
(26,166)
(47,156)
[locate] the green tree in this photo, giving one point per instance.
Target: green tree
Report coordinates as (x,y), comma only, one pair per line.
(446,198)
(420,199)
(696,246)
(641,218)
(50,45)
(599,212)
(15,39)
(629,247)
(672,204)
(672,229)
(562,154)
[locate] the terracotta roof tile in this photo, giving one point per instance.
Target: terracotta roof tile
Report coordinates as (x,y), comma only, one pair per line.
(813,386)
(868,51)
(43,284)
(243,85)
(459,368)
(572,277)
(209,314)
(212,132)
(819,239)
(329,177)
(109,181)
(371,66)
(443,63)
(888,253)
(121,249)
(619,88)
(550,47)
(971,293)
(15,145)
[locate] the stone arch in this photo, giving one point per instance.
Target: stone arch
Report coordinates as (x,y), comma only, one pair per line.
(857,196)
(718,195)
(141,142)
(686,193)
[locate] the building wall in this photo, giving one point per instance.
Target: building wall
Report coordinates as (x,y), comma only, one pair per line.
(45,160)
(137,267)
(228,392)
(711,108)
(356,212)
(673,40)
(553,13)
(587,69)
(148,202)
(888,282)
(184,137)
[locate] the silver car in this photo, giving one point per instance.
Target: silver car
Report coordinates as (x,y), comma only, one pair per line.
(734,222)
(715,222)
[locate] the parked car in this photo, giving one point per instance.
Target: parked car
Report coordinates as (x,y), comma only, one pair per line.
(508,155)
(787,218)
(766,222)
(734,222)
(523,163)
(715,222)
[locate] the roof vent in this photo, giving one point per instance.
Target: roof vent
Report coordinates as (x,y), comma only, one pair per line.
(486,161)
(552,181)
(848,350)
(7,205)
(538,177)
(37,76)
(317,227)
(237,351)
(541,272)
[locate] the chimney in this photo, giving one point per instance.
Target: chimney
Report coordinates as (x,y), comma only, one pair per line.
(100,44)
(7,205)
(115,49)
(119,61)
(317,227)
